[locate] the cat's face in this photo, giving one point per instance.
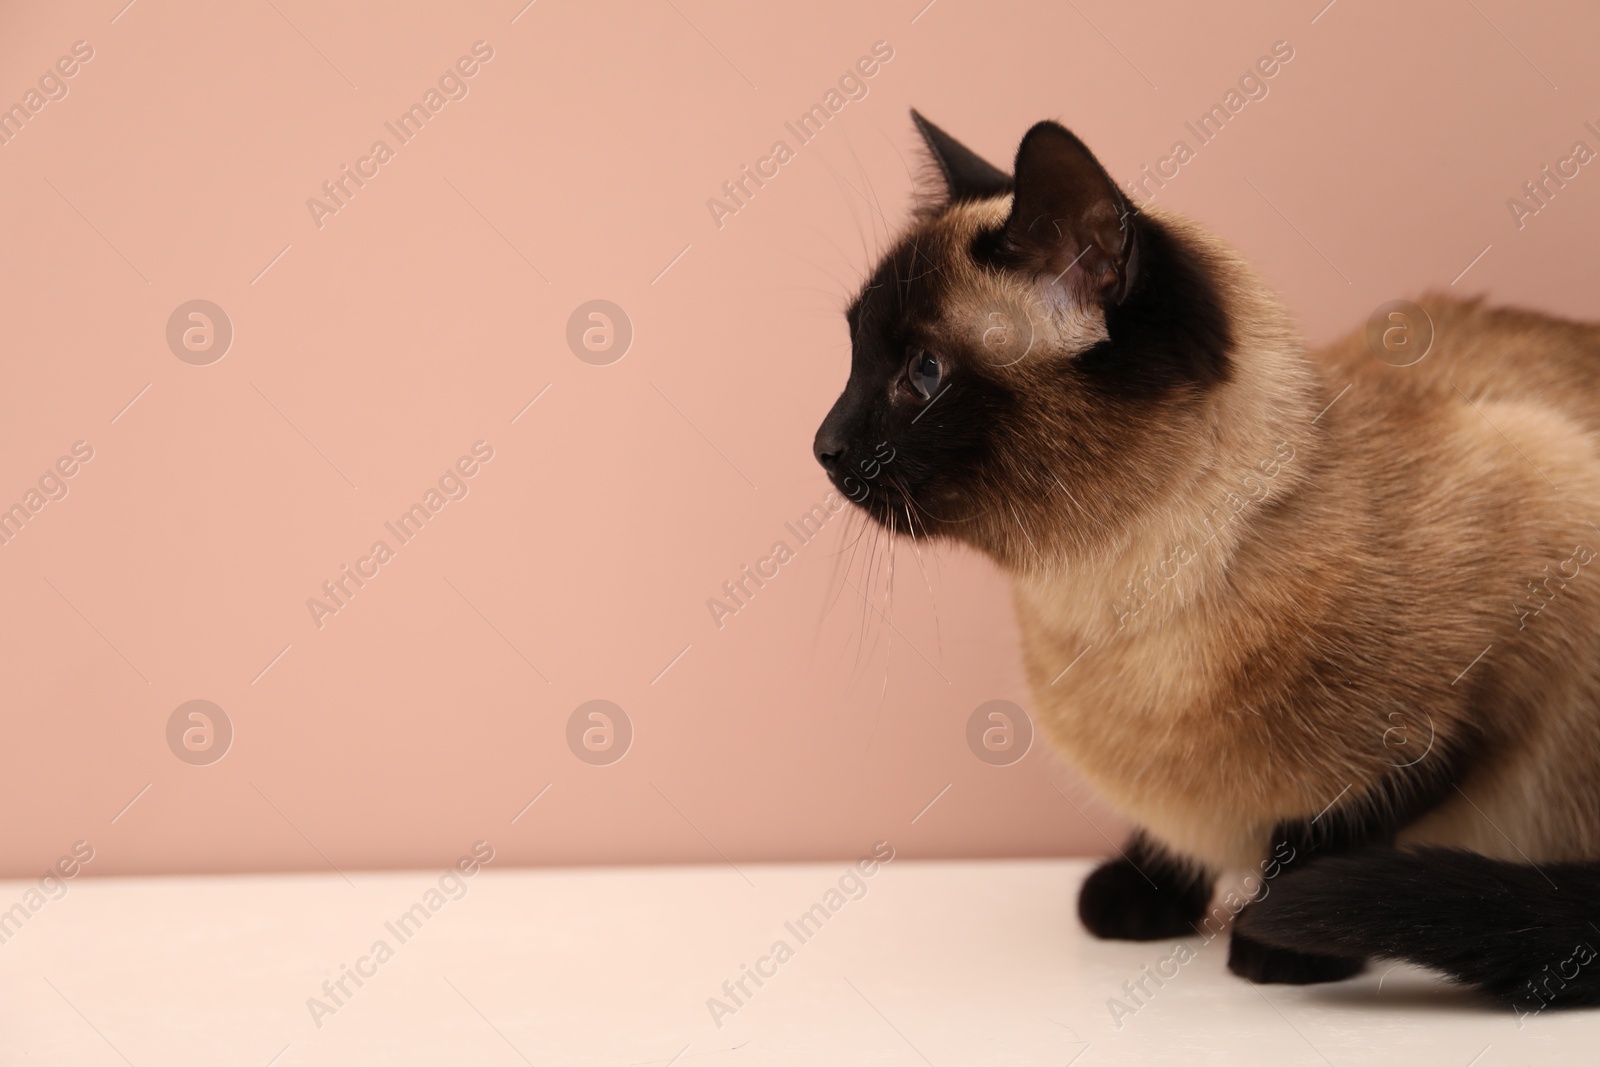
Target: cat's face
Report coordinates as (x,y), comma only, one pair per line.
(1016,351)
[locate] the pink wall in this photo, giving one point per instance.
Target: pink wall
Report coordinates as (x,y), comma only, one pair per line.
(427,312)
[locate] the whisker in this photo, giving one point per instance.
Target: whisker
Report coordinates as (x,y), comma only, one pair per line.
(840,183)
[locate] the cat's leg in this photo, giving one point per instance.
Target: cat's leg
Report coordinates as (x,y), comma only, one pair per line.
(1297,844)
(1259,962)
(1366,819)
(1146,894)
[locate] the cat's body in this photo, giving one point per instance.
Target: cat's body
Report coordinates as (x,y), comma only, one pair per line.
(1284,609)
(1298,633)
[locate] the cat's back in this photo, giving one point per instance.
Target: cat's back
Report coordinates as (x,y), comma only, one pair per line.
(1478,352)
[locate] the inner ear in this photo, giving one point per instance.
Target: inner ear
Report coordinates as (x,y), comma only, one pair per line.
(967,175)
(1068,218)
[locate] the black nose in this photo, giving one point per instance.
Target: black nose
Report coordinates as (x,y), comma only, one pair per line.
(829,450)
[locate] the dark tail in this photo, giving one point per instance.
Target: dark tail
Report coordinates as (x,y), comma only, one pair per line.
(1530,935)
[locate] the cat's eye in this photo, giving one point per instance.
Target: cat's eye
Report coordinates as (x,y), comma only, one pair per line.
(923,371)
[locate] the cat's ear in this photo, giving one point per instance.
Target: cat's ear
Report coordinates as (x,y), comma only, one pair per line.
(1067,214)
(967,175)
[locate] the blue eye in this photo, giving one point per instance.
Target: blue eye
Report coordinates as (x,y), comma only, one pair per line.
(922,370)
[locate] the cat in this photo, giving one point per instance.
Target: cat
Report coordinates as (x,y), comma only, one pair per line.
(1306,613)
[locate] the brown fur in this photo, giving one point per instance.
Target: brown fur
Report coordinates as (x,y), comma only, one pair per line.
(1237,665)
(1274,676)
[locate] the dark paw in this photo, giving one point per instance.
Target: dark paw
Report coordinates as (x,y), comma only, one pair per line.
(1120,903)
(1261,962)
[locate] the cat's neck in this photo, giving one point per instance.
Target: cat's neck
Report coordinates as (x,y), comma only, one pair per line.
(1248,450)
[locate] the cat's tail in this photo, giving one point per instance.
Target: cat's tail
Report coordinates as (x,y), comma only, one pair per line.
(1530,935)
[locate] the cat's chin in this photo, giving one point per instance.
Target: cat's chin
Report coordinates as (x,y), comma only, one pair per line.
(890,514)
(894,514)
(917,520)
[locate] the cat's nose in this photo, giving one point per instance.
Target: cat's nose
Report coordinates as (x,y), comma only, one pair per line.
(828,447)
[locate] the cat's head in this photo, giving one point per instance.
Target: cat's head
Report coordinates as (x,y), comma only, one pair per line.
(1028,359)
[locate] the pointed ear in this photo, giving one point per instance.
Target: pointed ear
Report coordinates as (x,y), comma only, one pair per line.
(1068,214)
(967,175)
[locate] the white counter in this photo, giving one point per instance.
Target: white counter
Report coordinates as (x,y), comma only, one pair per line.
(950,964)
